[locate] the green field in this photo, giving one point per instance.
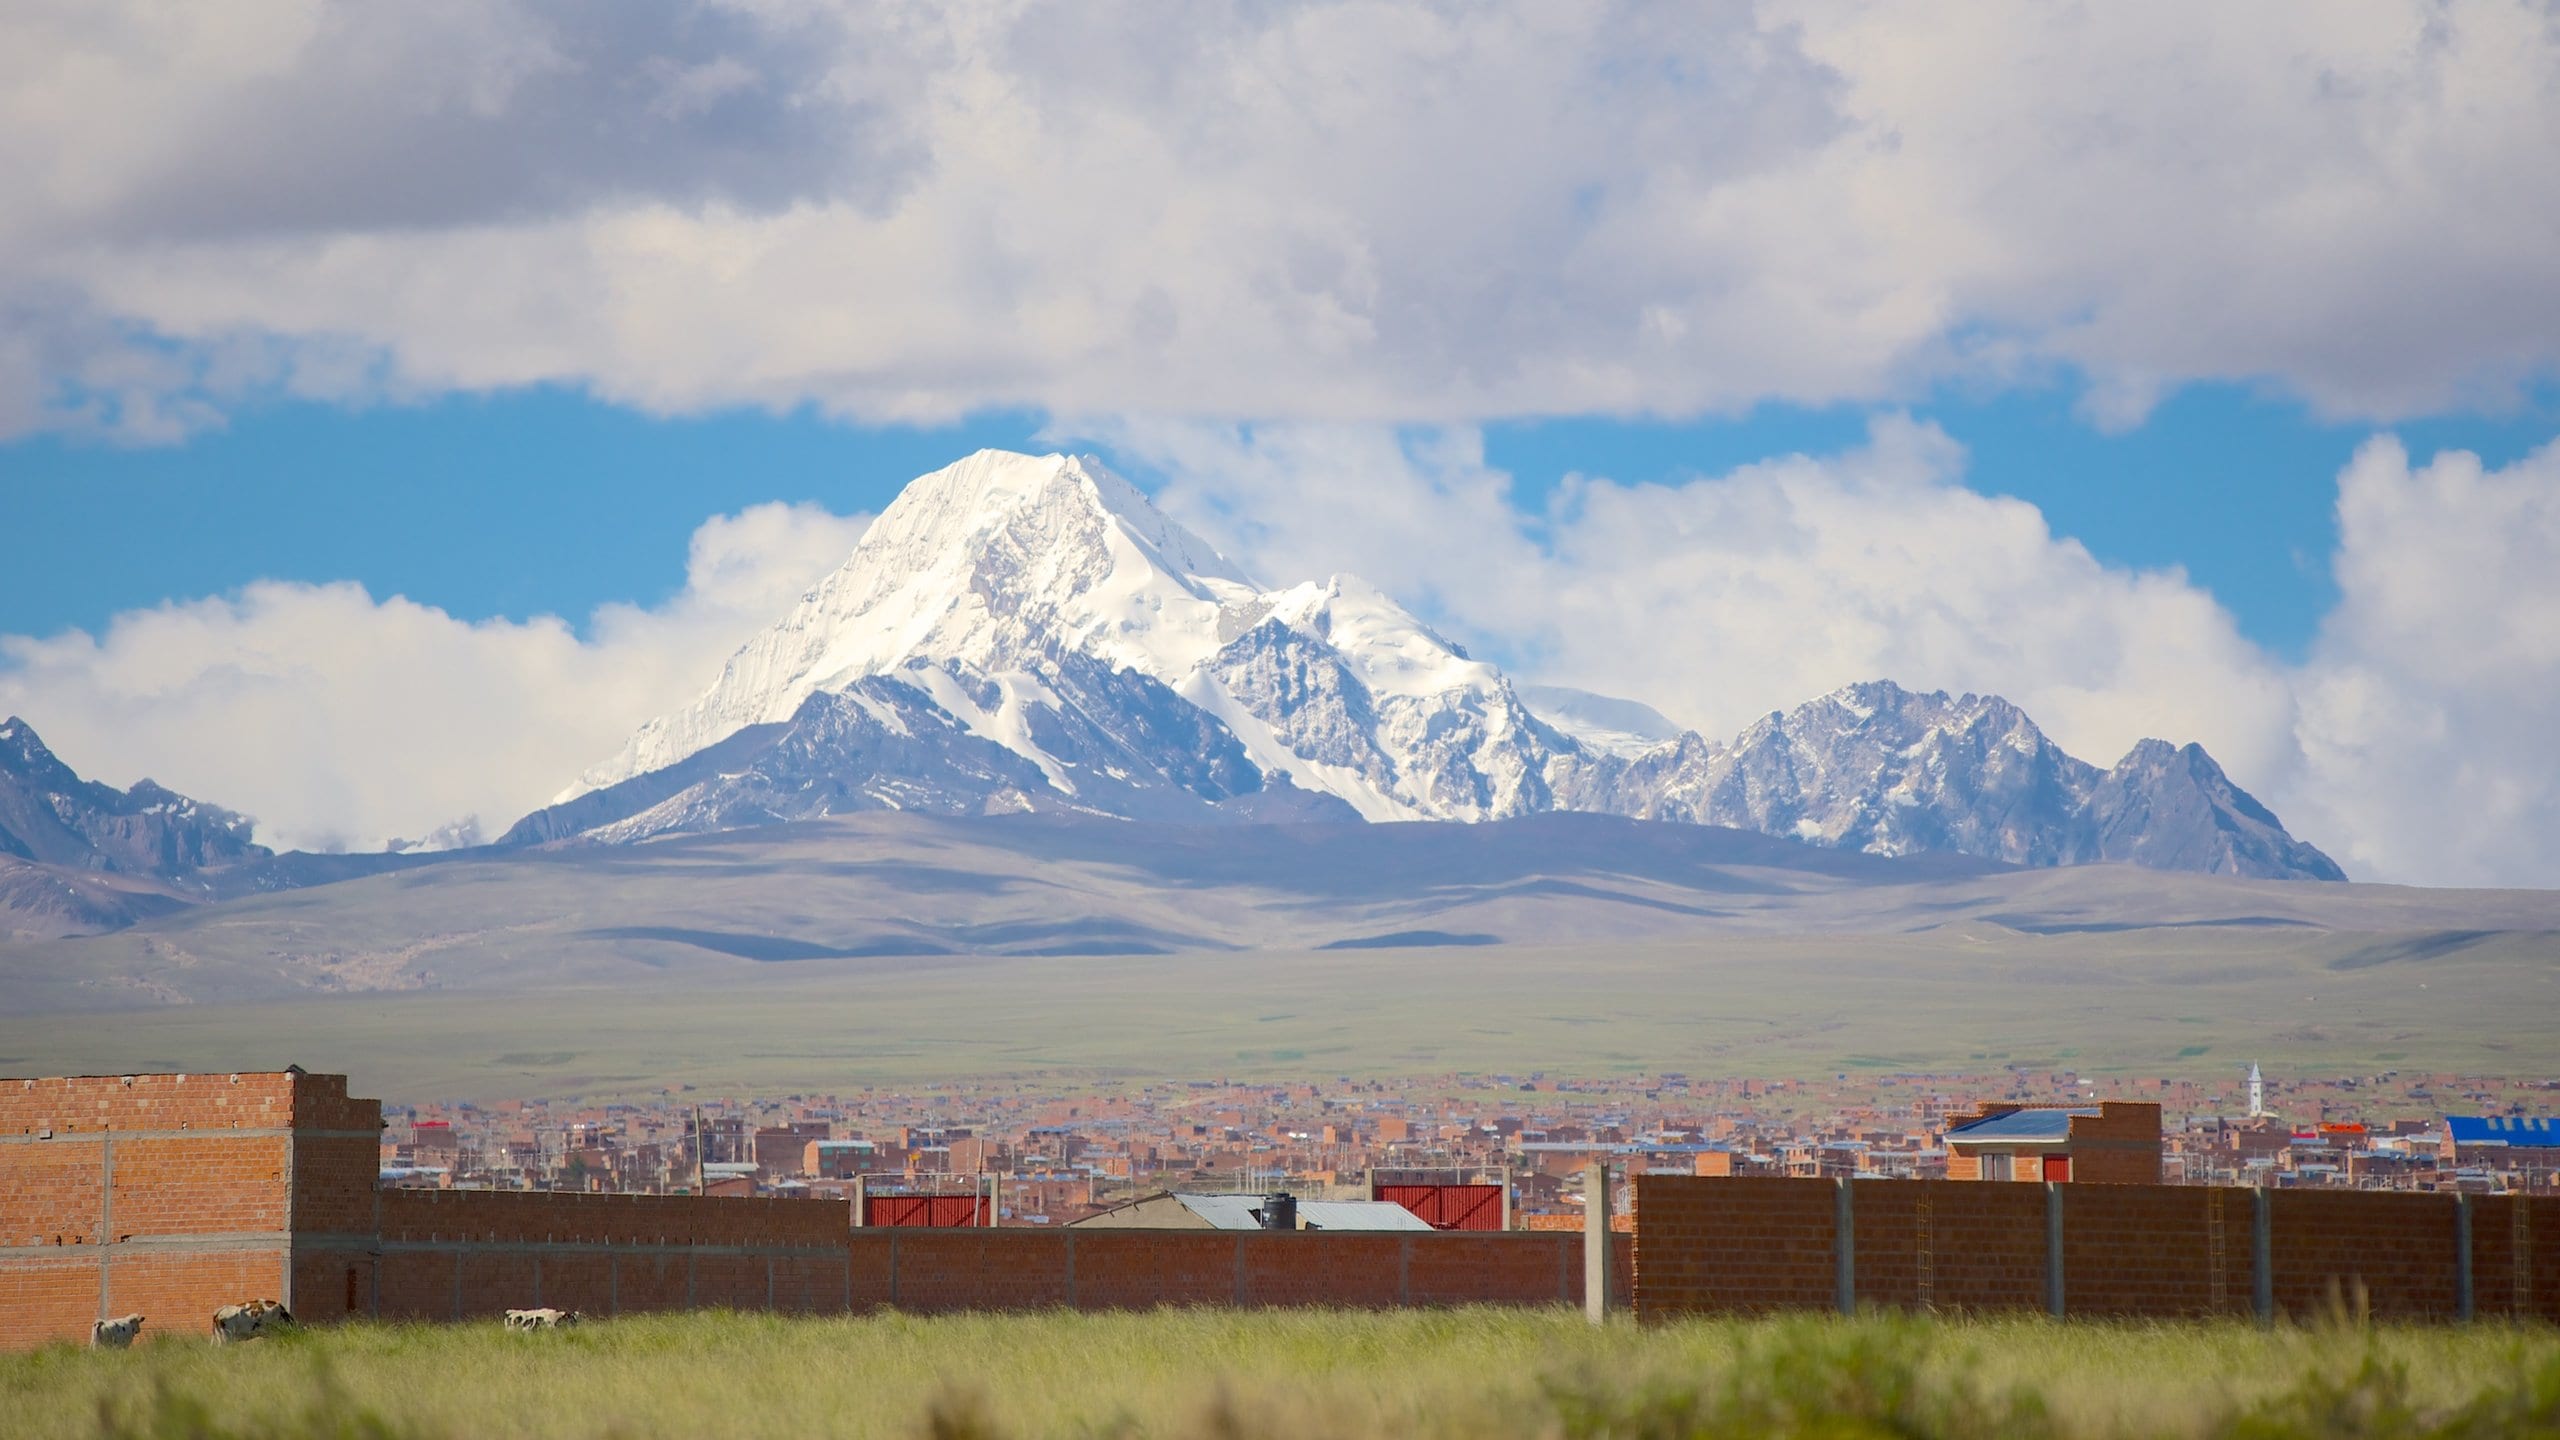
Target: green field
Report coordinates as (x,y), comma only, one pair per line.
(2152,1002)
(1478,1373)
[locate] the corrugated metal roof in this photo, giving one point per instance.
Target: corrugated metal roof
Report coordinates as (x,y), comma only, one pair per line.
(1237,1212)
(2031,1124)
(2502,1130)
(1357,1215)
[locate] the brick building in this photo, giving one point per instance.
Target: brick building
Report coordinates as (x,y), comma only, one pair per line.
(173,1194)
(2114,1143)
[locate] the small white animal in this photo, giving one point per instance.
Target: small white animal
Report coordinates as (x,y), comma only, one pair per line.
(249,1321)
(116,1334)
(544,1319)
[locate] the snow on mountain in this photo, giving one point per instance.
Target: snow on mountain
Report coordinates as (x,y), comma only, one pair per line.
(1603,723)
(1031,633)
(982,567)
(49,815)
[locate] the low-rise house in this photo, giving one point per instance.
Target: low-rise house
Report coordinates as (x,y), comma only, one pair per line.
(2116,1142)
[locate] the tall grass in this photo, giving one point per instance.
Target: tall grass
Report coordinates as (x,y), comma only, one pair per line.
(1252,1375)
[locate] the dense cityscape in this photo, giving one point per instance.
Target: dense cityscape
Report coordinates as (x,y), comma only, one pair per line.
(1055,1154)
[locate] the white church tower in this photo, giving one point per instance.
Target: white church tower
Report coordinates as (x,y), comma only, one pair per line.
(2257,1092)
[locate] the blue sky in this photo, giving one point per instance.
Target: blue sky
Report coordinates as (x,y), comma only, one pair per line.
(546,501)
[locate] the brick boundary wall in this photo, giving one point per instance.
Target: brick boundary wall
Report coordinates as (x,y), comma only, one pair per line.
(1754,1245)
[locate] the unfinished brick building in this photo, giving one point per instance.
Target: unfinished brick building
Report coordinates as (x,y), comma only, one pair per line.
(171,1194)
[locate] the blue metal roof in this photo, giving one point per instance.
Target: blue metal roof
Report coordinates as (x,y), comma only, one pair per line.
(2502,1130)
(2030,1124)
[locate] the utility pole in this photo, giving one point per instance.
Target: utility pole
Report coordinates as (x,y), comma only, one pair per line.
(700,1140)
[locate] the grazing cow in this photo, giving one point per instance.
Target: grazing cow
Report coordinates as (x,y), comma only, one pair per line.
(545,1319)
(116,1334)
(249,1321)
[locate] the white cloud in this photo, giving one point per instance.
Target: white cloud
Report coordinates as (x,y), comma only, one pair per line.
(343,720)
(2433,693)
(1333,210)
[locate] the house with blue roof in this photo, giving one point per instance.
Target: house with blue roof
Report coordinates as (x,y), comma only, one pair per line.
(2115,1142)
(2505,1142)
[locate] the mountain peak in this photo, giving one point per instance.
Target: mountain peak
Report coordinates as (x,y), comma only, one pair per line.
(51,816)
(977,570)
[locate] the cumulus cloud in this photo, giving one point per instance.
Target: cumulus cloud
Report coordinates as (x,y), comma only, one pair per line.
(347,721)
(1330,210)
(2433,692)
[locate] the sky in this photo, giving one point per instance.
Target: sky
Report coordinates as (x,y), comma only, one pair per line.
(398,405)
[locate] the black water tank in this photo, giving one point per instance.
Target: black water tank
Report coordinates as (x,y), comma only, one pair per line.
(1279,1211)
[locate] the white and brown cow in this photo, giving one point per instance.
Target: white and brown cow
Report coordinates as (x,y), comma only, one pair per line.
(544,1319)
(249,1321)
(116,1334)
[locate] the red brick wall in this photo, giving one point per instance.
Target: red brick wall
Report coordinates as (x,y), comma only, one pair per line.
(1945,1244)
(2153,1250)
(2502,1228)
(2396,1250)
(459,1254)
(938,1270)
(194,1217)
(521,1216)
(1741,1243)
(1765,1244)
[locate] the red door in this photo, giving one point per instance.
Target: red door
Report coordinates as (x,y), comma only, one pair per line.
(2057,1167)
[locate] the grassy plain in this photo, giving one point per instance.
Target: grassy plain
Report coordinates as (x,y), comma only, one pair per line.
(1475,1373)
(2148,1002)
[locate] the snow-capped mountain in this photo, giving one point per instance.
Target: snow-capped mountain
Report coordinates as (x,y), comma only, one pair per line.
(1031,633)
(1878,768)
(50,816)
(77,857)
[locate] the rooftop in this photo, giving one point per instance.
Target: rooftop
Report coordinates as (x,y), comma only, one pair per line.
(2033,1123)
(2503,1130)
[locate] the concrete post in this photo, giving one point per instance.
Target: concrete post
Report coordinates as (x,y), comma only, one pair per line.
(2053,1299)
(2262,1255)
(2465,1303)
(1844,1248)
(1595,1242)
(860,1183)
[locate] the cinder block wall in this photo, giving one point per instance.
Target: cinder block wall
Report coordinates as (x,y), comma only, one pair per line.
(1752,1245)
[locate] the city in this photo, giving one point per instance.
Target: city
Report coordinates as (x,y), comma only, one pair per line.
(1055,1154)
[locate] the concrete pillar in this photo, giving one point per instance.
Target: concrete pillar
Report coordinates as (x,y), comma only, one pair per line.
(1595,1242)
(2465,1302)
(1844,1247)
(2053,1298)
(2262,1255)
